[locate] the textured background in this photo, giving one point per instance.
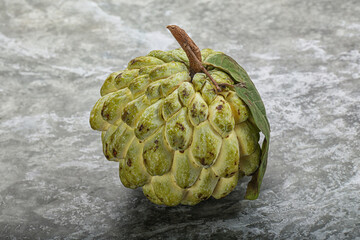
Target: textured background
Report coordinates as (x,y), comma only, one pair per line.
(303,57)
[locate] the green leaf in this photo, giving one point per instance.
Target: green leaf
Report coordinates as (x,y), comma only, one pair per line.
(247,91)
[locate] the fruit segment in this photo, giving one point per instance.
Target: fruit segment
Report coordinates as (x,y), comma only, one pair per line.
(166,190)
(149,192)
(122,175)
(227,164)
(124,79)
(119,141)
(206,145)
(133,110)
(206,52)
(153,92)
(150,121)
(249,164)
(179,55)
(184,170)
(198,110)
(168,85)
(114,105)
(171,105)
(178,131)
(225,186)
(108,85)
(157,154)
(239,109)
(221,77)
(248,138)
(138,86)
(166,70)
(202,189)
(133,168)
(107,140)
(208,92)
(220,116)
(164,56)
(96,120)
(199,80)
(186,93)
(144,61)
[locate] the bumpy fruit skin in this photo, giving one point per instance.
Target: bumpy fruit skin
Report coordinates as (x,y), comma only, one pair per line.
(172,135)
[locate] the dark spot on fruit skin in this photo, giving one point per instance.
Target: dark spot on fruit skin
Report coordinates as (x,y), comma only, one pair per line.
(114,152)
(230,174)
(219,107)
(124,116)
(141,127)
(193,112)
(200,196)
(182,151)
(181,127)
(203,105)
(202,161)
(118,76)
(106,153)
(105,114)
(128,162)
(133,61)
(185,93)
(156,145)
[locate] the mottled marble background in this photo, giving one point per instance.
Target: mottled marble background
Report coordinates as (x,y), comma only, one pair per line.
(303,56)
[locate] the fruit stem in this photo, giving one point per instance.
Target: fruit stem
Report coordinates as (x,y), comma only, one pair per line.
(193,53)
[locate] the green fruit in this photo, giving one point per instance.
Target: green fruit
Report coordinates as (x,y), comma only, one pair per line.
(174,136)
(178,124)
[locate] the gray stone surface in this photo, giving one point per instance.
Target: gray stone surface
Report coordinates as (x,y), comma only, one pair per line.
(303,57)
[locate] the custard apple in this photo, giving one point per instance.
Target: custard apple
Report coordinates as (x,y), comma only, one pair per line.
(174,134)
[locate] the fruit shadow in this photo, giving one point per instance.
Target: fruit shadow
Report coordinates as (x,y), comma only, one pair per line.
(145,219)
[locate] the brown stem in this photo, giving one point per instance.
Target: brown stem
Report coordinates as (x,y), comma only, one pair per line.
(192,51)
